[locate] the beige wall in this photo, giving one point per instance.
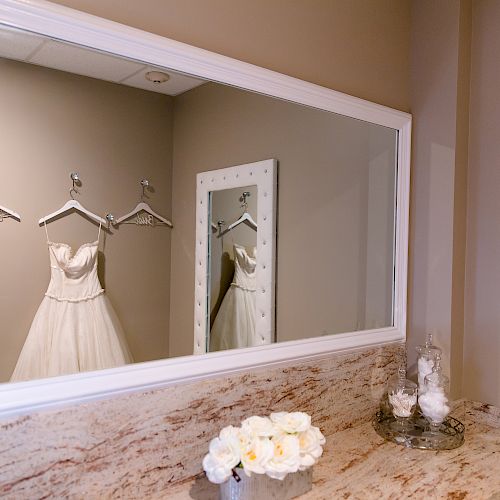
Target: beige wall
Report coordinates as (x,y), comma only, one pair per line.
(359,47)
(325,196)
(53,123)
(482,326)
(439,100)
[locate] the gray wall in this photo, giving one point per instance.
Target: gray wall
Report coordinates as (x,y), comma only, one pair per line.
(439,96)
(482,320)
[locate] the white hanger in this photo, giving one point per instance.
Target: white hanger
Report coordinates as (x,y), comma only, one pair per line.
(7,212)
(73,205)
(245,217)
(143,206)
(146,208)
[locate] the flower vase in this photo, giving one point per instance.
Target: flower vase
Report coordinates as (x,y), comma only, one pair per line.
(261,486)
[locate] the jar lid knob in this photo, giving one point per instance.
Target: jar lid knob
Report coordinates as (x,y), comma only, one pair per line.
(428,340)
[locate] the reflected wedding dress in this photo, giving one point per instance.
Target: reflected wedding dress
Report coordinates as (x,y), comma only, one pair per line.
(234,325)
(75,328)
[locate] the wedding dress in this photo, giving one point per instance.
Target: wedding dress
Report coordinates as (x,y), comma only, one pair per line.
(75,328)
(234,325)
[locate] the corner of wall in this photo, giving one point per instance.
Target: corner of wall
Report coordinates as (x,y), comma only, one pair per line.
(440,83)
(460,201)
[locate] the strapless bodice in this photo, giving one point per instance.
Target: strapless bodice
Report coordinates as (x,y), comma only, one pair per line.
(73,277)
(245,261)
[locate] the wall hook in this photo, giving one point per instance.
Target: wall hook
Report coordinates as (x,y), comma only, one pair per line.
(75,178)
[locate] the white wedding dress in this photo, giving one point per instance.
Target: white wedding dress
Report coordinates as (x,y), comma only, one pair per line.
(75,328)
(234,325)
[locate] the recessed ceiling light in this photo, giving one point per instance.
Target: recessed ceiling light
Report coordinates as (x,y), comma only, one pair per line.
(157,76)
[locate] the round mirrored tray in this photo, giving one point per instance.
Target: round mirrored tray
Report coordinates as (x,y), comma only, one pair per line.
(416,433)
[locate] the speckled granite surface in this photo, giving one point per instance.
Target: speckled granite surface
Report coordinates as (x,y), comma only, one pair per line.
(139,445)
(360,465)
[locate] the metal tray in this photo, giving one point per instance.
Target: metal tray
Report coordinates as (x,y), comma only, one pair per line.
(417,433)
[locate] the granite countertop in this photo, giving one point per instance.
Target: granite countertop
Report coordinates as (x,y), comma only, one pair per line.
(359,464)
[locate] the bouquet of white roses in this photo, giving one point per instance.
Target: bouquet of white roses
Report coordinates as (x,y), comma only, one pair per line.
(276,445)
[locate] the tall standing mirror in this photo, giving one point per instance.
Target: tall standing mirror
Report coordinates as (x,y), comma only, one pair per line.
(235,257)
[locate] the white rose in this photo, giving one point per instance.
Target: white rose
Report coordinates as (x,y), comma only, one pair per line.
(224,454)
(310,442)
(256,454)
(242,436)
(296,421)
(286,456)
(258,426)
(216,473)
(229,432)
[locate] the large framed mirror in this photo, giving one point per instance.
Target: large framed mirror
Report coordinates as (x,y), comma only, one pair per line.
(301,233)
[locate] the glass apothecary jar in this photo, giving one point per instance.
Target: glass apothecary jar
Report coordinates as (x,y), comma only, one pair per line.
(434,402)
(426,359)
(402,397)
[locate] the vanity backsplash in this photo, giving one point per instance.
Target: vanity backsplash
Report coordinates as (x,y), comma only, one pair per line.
(130,445)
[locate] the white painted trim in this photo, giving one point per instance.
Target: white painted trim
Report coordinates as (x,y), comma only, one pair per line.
(262,174)
(25,397)
(76,27)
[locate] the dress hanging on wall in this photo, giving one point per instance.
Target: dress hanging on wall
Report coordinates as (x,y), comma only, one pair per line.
(75,328)
(234,325)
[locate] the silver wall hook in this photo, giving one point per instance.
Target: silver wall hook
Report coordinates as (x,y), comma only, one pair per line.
(75,178)
(144,185)
(244,196)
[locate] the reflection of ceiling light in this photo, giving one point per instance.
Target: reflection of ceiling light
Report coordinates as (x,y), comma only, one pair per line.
(157,76)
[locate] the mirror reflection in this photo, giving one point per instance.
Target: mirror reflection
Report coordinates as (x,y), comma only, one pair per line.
(233,260)
(108,277)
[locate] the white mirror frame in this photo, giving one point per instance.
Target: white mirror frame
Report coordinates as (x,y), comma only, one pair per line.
(263,175)
(83,29)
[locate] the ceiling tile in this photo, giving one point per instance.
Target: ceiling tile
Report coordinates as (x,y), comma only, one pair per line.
(17,44)
(177,84)
(84,61)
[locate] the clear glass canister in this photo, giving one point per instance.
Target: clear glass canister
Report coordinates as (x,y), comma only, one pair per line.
(427,354)
(402,396)
(434,403)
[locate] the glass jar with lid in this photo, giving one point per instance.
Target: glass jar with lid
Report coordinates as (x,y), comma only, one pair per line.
(402,396)
(426,359)
(434,402)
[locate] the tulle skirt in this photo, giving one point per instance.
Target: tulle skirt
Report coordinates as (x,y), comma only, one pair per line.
(234,325)
(71,337)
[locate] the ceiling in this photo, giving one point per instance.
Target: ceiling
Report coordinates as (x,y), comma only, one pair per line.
(36,49)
